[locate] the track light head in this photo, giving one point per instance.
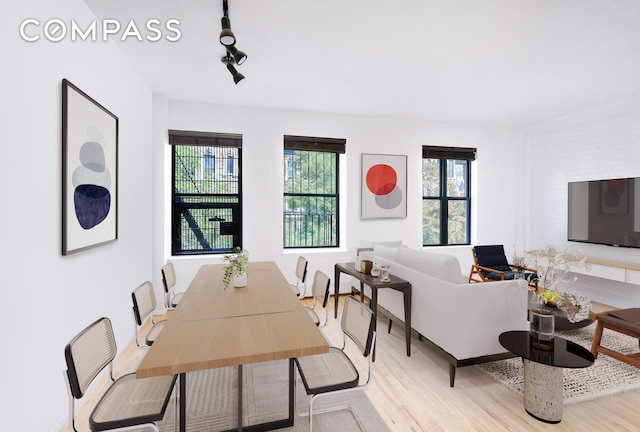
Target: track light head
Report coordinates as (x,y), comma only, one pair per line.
(229,61)
(239,56)
(237,76)
(227,38)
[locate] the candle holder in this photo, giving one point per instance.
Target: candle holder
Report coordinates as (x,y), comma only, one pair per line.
(384,275)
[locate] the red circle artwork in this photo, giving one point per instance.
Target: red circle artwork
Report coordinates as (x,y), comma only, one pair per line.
(381,179)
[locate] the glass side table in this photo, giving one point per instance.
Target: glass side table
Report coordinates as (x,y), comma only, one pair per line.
(543,371)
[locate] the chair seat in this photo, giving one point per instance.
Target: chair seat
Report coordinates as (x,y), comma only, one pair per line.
(314,316)
(154,332)
(508,275)
(327,372)
(176,299)
(295,289)
(131,401)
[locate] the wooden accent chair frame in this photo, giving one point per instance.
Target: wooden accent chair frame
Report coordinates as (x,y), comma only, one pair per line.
(490,264)
(625,321)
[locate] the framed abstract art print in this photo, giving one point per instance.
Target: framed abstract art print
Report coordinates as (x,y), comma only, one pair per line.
(384,186)
(89,172)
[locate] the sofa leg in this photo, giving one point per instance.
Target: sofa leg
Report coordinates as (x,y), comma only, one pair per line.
(452,374)
(390,324)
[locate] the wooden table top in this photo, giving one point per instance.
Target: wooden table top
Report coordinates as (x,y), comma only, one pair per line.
(213,327)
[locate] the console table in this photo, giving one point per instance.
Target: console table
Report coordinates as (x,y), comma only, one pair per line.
(375,284)
(543,385)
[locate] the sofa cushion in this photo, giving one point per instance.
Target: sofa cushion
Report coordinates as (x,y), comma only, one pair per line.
(441,266)
(387,252)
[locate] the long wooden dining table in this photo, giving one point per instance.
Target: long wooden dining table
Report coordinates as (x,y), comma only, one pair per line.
(213,327)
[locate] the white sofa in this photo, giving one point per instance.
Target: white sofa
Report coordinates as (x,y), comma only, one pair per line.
(461,321)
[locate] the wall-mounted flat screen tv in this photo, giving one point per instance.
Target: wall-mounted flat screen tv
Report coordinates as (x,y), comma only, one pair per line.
(605,212)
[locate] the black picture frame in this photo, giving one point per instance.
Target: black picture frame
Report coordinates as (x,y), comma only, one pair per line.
(89,172)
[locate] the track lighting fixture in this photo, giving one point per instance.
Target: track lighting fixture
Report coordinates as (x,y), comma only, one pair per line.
(237,76)
(237,55)
(227,38)
(233,55)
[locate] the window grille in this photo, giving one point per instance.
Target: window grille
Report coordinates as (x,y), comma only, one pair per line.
(311,191)
(446,195)
(207,192)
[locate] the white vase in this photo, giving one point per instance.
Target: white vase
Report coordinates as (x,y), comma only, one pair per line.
(240,280)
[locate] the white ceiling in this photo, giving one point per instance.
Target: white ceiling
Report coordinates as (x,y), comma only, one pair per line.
(508,62)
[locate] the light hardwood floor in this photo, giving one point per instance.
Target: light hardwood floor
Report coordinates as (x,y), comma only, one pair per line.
(413,393)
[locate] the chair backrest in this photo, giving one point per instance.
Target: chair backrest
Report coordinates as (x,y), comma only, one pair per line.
(320,288)
(144,301)
(88,354)
(357,323)
(301,269)
(491,256)
(168,277)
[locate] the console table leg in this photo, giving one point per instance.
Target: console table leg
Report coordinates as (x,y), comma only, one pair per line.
(543,391)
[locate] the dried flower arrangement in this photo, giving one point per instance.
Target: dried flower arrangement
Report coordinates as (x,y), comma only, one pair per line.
(553,267)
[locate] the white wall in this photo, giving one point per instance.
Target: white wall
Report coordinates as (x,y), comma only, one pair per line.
(263,131)
(596,143)
(48,298)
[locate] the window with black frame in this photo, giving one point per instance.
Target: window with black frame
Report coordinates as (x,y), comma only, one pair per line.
(311,191)
(206,216)
(446,195)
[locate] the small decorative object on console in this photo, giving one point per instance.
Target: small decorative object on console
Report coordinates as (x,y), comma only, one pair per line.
(384,276)
(365,266)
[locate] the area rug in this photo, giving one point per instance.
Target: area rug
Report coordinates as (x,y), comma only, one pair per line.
(605,377)
(212,402)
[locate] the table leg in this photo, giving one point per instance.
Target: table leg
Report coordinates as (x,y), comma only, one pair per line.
(292,391)
(239,398)
(336,289)
(183,401)
(374,308)
(407,320)
(543,391)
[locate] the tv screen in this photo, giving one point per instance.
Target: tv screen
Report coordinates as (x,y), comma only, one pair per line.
(605,212)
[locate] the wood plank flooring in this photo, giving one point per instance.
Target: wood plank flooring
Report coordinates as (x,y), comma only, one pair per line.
(413,393)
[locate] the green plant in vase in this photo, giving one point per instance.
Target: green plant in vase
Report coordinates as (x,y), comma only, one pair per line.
(236,271)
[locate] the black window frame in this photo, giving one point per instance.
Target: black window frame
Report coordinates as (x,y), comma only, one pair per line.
(179,205)
(444,154)
(315,144)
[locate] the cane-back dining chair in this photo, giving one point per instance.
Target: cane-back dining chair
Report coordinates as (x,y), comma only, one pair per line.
(144,303)
(129,403)
(320,293)
(171,299)
(300,287)
(334,372)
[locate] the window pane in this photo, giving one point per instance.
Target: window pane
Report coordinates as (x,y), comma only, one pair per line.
(310,221)
(430,177)
(310,216)
(457,226)
(457,178)
(206,207)
(430,222)
(309,172)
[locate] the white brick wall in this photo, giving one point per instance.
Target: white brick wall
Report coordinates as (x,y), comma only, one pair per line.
(599,143)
